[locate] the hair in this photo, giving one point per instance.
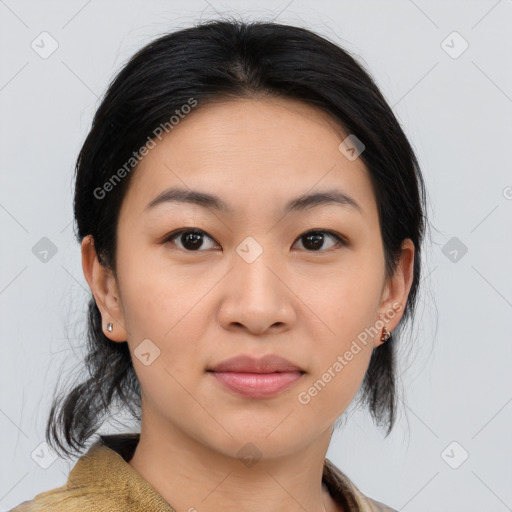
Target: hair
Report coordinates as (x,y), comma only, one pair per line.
(221,60)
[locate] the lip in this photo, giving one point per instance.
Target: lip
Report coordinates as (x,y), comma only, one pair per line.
(246,363)
(257,377)
(257,385)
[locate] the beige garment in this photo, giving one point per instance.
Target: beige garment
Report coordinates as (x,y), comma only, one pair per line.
(103,481)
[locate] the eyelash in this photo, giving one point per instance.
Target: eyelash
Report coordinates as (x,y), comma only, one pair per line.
(340,240)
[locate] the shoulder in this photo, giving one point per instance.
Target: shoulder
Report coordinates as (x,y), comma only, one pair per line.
(367,504)
(62,499)
(101,480)
(377,506)
(348,494)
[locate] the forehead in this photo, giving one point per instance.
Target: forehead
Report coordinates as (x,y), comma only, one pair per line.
(251,151)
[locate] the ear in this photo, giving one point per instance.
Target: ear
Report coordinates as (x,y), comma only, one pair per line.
(396,289)
(104,288)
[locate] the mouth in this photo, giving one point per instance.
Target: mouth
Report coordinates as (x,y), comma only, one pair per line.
(257,385)
(256,377)
(246,363)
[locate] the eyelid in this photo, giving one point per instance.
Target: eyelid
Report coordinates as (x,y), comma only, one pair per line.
(340,239)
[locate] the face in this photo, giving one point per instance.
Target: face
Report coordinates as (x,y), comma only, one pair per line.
(306,283)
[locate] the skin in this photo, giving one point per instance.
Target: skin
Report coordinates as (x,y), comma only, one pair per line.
(201,307)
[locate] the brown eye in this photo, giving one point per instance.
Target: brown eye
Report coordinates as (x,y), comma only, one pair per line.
(314,240)
(190,239)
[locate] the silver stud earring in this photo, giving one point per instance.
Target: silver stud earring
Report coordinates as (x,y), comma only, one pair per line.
(109,327)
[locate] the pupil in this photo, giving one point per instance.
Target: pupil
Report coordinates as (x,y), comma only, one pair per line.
(192,239)
(316,239)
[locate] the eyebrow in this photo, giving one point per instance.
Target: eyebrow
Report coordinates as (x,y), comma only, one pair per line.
(212,202)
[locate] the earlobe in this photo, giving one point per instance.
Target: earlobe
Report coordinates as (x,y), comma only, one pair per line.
(105,291)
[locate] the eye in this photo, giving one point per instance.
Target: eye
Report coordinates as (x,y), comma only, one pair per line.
(192,239)
(316,238)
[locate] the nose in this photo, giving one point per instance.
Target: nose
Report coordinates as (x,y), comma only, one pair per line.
(257,297)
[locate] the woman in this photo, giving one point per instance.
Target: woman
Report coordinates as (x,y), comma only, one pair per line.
(251,217)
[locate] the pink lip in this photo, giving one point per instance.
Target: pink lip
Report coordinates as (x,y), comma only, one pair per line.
(257,385)
(248,364)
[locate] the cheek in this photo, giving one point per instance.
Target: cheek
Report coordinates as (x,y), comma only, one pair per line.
(348,299)
(167,309)
(155,297)
(328,393)
(347,304)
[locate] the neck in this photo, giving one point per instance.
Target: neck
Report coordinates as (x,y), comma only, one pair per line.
(191,476)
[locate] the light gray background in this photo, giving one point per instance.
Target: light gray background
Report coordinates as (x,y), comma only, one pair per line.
(457,113)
